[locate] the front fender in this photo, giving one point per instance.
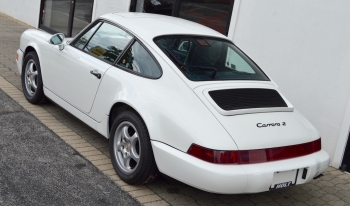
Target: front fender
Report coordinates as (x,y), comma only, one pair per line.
(38,40)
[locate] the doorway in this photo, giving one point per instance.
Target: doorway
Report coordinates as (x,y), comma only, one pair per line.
(65,16)
(345,166)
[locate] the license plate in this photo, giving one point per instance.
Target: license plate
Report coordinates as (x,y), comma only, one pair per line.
(283,185)
(284,179)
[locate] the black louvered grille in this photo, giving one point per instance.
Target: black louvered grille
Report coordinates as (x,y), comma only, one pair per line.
(234,99)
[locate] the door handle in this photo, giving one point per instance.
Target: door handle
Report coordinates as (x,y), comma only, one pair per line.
(98,75)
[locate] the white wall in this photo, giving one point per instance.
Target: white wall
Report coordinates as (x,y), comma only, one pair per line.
(304,46)
(108,6)
(23,10)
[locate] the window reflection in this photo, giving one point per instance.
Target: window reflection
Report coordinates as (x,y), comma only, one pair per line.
(82,15)
(108,42)
(83,40)
(55,15)
(164,7)
(209,59)
(140,61)
(215,14)
(211,13)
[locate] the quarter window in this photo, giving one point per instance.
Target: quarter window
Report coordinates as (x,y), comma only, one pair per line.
(80,43)
(139,60)
(108,42)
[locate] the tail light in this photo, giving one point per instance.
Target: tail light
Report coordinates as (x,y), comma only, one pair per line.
(213,156)
(254,156)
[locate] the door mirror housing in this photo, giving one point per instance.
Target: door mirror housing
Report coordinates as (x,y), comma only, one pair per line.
(57,39)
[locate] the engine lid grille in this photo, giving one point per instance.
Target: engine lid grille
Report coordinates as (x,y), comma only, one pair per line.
(247,98)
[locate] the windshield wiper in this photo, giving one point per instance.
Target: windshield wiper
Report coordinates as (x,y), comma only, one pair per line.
(183,66)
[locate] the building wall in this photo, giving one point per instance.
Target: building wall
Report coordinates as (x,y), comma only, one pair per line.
(107,6)
(23,10)
(304,47)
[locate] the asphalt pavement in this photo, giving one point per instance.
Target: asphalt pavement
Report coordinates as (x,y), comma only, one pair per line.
(39,168)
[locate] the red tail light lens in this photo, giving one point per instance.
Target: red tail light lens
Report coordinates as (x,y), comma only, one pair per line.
(213,156)
(254,156)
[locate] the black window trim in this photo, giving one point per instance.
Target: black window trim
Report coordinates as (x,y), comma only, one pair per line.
(82,34)
(209,37)
(84,31)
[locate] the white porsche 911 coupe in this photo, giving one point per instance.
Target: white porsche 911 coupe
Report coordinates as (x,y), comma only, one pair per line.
(176,97)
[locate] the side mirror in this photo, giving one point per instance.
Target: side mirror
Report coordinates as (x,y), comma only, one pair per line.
(57,39)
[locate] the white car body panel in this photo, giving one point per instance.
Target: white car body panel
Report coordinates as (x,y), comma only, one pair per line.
(233,179)
(70,78)
(178,112)
(39,41)
(100,127)
(250,136)
(169,120)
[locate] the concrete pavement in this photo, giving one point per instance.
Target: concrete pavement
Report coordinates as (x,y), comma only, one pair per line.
(38,168)
(333,188)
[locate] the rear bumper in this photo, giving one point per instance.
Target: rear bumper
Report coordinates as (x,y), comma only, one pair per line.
(234,179)
(19,60)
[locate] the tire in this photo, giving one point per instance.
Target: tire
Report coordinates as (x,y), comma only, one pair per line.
(130,149)
(32,84)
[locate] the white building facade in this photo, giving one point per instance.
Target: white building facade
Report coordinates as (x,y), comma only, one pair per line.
(303,45)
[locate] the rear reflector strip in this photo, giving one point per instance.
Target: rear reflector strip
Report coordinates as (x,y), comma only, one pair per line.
(254,156)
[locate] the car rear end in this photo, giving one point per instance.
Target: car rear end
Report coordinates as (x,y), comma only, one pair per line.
(276,147)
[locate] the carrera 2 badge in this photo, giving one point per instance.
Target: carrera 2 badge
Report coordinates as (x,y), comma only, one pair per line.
(260,125)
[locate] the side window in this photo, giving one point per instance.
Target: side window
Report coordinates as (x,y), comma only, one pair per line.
(80,43)
(108,42)
(139,60)
(236,62)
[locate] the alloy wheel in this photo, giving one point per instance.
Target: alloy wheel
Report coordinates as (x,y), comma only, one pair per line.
(31,77)
(127,149)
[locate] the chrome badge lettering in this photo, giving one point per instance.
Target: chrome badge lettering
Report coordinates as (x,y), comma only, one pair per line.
(260,125)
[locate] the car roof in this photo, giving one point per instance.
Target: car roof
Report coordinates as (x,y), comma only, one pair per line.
(148,26)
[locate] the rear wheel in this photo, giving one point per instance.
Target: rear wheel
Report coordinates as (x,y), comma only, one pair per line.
(130,149)
(32,84)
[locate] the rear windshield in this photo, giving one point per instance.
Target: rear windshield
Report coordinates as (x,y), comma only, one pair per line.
(209,59)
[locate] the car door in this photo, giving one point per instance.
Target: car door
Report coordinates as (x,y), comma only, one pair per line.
(76,71)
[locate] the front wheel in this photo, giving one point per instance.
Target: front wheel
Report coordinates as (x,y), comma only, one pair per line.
(32,84)
(130,149)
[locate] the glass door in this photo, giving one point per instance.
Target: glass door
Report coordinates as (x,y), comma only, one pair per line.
(65,16)
(164,7)
(55,16)
(215,14)
(82,15)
